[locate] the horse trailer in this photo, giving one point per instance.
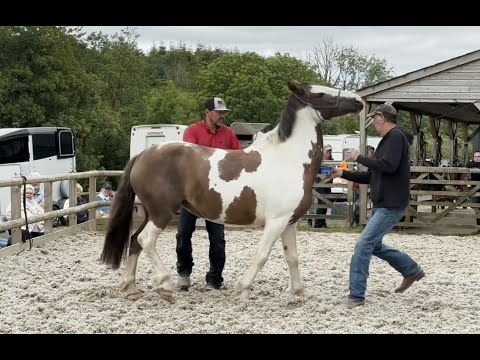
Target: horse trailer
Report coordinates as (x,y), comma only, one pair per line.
(144,136)
(44,150)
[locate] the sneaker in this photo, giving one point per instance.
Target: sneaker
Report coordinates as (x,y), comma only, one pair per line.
(184,283)
(210,286)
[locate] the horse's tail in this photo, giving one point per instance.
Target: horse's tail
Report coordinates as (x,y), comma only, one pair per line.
(116,240)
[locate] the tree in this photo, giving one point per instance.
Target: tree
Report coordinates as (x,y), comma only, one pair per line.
(169,105)
(345,68)
(254,87)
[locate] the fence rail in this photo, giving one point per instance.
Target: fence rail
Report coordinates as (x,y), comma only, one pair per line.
(447,205)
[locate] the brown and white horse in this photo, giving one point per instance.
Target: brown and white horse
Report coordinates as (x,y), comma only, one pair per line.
(269,184)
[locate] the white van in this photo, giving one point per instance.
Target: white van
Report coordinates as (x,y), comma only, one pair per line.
(45,150)
(144,136)
(341,143)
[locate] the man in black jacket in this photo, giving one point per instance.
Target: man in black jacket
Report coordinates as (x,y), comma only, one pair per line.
(389,178)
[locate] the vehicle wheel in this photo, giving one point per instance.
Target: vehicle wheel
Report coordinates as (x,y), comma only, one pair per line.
(59,221)
(56,221)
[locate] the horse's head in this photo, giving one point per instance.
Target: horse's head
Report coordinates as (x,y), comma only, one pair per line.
(329,102)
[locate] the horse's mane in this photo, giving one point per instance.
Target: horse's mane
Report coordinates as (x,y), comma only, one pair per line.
(282,131)
(287,120)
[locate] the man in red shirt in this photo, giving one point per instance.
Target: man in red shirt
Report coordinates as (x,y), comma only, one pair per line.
(210,132)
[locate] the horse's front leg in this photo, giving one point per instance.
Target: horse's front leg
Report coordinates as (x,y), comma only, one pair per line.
(271,232)
(162,276)
(289,241)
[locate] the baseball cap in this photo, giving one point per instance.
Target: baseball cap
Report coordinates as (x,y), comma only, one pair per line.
(216,104)
(384,109)
(327,147)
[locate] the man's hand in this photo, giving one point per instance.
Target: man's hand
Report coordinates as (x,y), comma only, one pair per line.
(336,172)
(353,154)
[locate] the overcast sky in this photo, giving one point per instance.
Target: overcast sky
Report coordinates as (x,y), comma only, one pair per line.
(405,48)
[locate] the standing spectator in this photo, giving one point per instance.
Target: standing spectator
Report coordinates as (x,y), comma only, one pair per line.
(475,176)
(213,133)
(32,209)
(356,189)
(106,193)
(389,178)
(322,223)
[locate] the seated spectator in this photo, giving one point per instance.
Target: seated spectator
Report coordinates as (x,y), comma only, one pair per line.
(106,193)
(38,193)
(3,243)
(82,216)
(34,229)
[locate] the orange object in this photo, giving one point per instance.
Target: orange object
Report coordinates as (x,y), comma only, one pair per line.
(343,165)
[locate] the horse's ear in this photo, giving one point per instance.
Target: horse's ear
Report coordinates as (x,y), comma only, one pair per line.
(296,87)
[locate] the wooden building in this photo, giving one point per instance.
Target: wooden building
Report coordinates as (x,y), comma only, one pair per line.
(445,92)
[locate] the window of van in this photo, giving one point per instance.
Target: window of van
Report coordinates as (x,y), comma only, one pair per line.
(14,150)
(44,146)
(66,145)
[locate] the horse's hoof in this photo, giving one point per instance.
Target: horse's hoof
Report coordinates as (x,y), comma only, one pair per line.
(133,295)
(300,292)
(243,297)
(237,289)
(166,295)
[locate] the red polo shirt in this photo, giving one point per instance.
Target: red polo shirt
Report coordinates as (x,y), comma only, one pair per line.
(223,138)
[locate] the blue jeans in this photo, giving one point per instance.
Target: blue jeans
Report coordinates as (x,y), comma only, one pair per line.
(216,236)
(476,200)
(382,220)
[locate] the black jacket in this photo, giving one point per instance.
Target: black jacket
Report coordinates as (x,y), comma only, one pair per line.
(388,171)
(475,176)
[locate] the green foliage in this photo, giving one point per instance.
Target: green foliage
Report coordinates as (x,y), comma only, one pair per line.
(167,104)
(254,87)
(102,85)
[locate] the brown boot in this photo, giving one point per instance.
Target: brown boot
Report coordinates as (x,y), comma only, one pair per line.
(353,304)
(408,281)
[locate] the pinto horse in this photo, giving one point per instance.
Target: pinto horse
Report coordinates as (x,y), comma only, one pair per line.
(268,184)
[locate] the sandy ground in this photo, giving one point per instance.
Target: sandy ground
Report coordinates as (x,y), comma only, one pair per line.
(61,288)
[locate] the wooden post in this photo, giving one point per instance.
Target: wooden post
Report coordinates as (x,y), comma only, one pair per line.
(47,205)
(15,195)
(72,198)
(363,145)
(92,193)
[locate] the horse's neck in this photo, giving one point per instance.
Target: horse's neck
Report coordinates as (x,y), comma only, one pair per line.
(300,141)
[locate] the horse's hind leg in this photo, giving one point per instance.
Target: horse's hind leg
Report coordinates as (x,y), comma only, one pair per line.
(128,284)
(128,277)
(272,231)
(289,240)
(163,280)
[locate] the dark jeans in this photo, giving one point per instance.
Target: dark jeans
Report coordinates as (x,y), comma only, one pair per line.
(186,227)
(320,222)
(30,235)
(476,200)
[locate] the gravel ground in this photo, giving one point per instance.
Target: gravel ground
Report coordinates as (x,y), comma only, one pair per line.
(60,287)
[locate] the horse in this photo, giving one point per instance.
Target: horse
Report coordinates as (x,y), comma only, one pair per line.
(268,184)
